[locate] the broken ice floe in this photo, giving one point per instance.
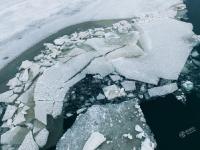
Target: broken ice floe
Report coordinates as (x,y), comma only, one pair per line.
(131,51)
(106,120)
(163,90)
(113,91)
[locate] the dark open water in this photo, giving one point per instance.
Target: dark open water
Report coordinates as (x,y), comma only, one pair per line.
(177,126)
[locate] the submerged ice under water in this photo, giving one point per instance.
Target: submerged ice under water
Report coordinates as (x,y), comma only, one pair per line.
(54,85)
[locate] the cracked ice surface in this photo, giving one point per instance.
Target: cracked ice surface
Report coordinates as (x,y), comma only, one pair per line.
(40,20)
(107,120)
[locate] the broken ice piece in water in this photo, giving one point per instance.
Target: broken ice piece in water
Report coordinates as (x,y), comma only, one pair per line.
(163,90)
(94,141)
(188,86)
(113,91)
(115,77)
(100,97)
(129,136)
(129,85)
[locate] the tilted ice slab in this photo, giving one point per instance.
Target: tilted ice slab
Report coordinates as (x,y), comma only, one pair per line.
(113,121)
(22,20)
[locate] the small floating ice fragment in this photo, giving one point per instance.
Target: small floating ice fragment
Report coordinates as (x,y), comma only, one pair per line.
(188,86)
(129,85)
(129,136)
(113,91)
(163,90)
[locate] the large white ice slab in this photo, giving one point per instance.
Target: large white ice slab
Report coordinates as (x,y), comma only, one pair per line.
(170,48)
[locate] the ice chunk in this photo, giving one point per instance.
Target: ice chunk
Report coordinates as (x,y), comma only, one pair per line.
(122,26)
(24,76)
(94,141)
(134,73)
(61,40)
(42,137)
(13,83)
(29,143)
(10,110)
(8,97)
(100,97)
(27,97)
(147,145)
(115,77)
(113,91)
(14,136)
(188,85)
(129,85)
(52,86)
(25,65)
(129,136)
(163,90)
(112,121)
(37,126)
(79,111)
(138,128)
(19,119)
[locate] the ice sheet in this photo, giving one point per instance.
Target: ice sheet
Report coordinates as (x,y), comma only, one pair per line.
(21,20)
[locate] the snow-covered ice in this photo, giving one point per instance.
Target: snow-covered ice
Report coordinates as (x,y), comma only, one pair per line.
(40,20)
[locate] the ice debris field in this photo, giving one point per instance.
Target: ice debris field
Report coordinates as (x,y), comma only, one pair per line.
(126,61)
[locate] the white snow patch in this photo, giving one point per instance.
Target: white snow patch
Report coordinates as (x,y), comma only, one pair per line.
(94,141)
